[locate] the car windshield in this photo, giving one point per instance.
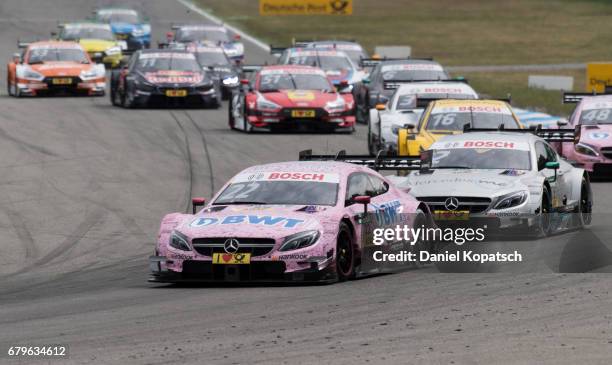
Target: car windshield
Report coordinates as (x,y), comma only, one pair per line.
(293,81)
(327,63)
(455,118)
(280,193)
(409,101)
(481,158)
(119,17)
(212,58)
(596,116)
(197,35)
(148,62)
(40,55)
(76,33)
(413,72)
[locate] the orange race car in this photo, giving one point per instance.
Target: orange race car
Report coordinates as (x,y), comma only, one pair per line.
(54,67)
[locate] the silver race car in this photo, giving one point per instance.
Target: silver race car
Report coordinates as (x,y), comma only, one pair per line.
(508,179)
(405,108)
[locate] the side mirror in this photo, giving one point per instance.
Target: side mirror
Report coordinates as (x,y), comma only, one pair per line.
(381,107)
(553,165)
(409,126)
(562,122)
(365,200)
(16,58)
(366,81)
(53,34)
(237,37)
(197,202)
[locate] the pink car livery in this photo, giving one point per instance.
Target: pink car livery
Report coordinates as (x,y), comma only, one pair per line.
(592,119)
(289,221)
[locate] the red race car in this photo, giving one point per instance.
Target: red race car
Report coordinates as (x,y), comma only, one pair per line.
(291,97)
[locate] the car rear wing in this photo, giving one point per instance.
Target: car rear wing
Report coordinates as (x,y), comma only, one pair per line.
(573,98)
(25,43)
(394,84)
(377,163)
(277,51)
(549,135)
(251,68)
(372,62)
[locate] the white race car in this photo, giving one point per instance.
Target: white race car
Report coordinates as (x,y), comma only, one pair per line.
(508,179)
(405,108)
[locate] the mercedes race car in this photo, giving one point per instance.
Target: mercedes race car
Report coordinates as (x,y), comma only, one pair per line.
(290,97)
(163,77)
(337,66)
(128,25)
(387,73)
(54,67)
(502,179)
(290,221)
(217,34)
(593,118)
(97,39)
(405,109)
(448,116)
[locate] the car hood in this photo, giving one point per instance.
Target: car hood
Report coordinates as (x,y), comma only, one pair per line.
(96,45)
(260,221)
(300,98)
(465,182)
(597,135)
(173,77)
(61,68)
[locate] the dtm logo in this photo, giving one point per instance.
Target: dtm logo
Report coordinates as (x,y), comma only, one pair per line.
(265,220)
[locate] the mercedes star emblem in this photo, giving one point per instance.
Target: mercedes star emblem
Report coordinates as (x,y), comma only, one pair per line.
(451,203)
(231,245)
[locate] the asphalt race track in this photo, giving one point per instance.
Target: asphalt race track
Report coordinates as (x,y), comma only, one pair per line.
(83,186)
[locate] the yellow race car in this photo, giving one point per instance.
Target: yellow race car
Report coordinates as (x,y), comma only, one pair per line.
(97,39)
(449,116)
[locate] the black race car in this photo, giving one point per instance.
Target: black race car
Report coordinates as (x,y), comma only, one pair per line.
(386,71)
(214,60)
(163,77)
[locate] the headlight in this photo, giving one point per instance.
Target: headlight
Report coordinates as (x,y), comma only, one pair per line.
(93,73)
(300,240)
(29,74)
(336,106)
(230,81)
(511,200)
(264,104)
(586,149)
(115,50)
(179,241)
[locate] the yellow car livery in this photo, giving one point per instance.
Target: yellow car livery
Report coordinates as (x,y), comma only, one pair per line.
(444,117)
(97,39)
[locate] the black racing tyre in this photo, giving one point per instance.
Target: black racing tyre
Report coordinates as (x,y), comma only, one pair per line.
(230,114)
(345,254)
(127,99)
(543,224)
(583,213)
(371,146)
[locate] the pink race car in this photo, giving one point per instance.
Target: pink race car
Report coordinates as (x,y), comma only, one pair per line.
(289,221)
(592,119)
